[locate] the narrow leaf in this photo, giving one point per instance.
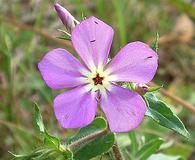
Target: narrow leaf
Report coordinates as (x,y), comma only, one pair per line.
(148,149)
(38,119)
(155,44)
(162,114)
(134,144)
(154,89)
(64,38)
(51,141)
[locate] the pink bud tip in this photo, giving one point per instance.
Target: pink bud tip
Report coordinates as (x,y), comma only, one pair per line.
(66,18)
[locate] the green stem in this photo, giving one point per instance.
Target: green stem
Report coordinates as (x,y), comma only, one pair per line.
(90,137)
(133,139)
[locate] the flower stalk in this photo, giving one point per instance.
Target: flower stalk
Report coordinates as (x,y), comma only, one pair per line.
(88,138)
(115,147)
(117,152)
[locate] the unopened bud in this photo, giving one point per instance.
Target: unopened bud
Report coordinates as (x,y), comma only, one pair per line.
(67,19)
(141,89)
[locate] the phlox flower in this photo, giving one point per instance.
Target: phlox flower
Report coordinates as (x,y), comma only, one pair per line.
(92,81)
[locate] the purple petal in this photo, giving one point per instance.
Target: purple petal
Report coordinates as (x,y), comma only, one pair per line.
(75,108)
(92,40)
(123,108)
(136,62)
(66,18)
(60,69)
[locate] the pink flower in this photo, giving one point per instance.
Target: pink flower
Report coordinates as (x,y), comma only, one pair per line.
(93,77)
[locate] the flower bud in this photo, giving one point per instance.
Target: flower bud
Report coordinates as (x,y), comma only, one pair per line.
(141,89)
(67,19)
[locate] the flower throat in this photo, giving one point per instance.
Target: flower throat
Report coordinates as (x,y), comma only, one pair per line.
(98,80)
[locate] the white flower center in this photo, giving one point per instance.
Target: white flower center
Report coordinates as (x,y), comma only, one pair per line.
(98,80)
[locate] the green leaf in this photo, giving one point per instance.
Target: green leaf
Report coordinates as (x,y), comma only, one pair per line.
(38,119)
(49,140)
(155,44)
(129,85)
(163,115)
(68,155)
(134,144)
(52,149)
(98,124)
(148,149)
(64,38)
(38,154)
(154,89)
(95,147)
(44,154)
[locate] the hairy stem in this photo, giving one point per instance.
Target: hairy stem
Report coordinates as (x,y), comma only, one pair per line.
(87,138)
(117,152)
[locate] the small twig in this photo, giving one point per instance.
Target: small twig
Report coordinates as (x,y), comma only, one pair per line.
(117,152)
(87,139)
(175,98)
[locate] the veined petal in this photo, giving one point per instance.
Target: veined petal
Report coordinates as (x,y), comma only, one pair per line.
(136,62)
(75,108)
(92,40)
(60,69)
(123,108)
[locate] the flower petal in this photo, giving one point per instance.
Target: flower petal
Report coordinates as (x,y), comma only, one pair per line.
(136,62)
(75,108)
(60,69)
(92,40)
(123,108)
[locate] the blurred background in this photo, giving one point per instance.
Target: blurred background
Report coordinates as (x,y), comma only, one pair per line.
(28,29)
